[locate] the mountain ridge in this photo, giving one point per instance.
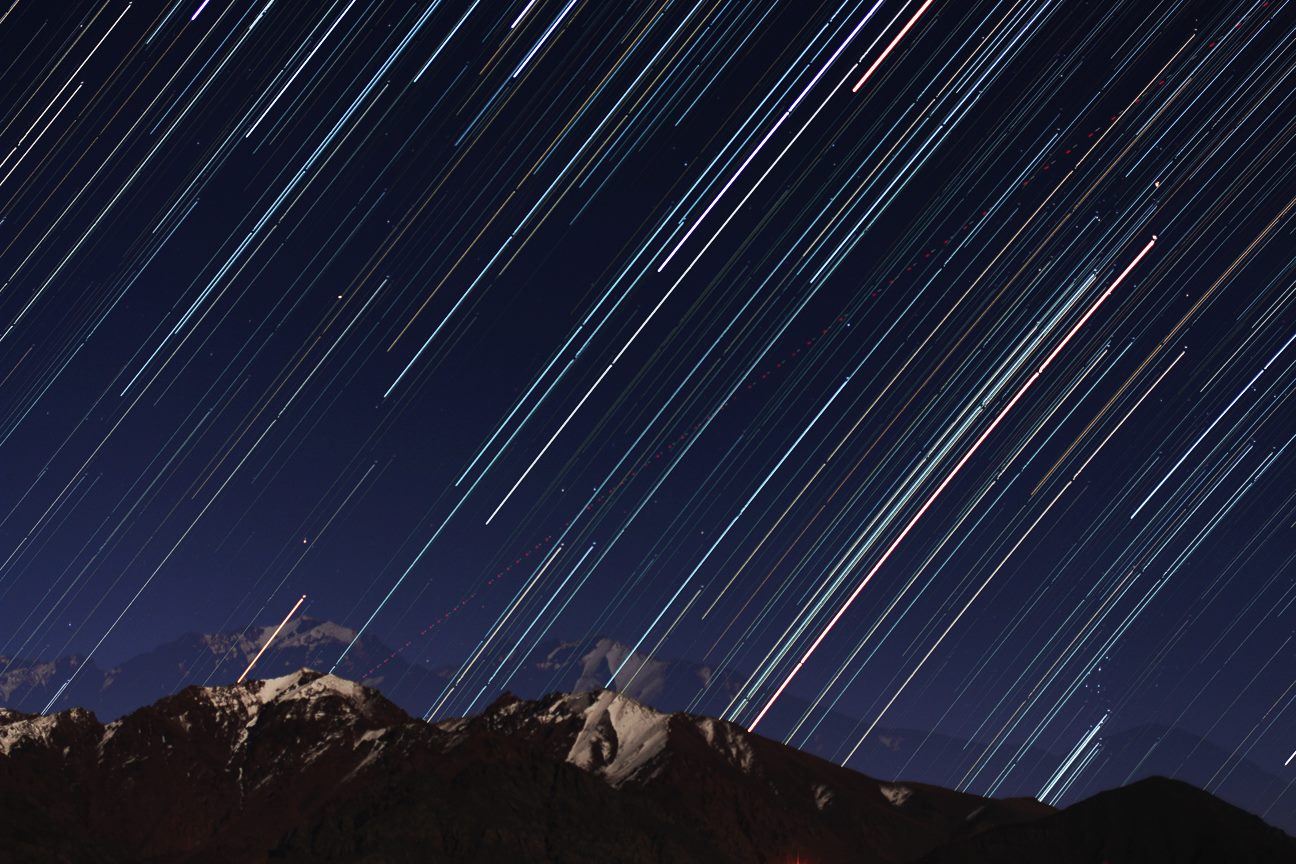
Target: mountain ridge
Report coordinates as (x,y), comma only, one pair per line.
(314,767)
(665,684)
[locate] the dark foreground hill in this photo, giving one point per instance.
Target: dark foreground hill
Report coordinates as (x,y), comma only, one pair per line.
(1152,820)
(311,767)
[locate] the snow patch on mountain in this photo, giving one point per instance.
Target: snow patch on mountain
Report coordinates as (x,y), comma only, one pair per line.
(22,730)
(897,795)
(823,796)
(619,736)
(375,750)
(612,735)
(319,696)
(730,741)
(306,684)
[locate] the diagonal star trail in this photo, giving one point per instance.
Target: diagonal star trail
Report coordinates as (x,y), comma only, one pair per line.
(823,349)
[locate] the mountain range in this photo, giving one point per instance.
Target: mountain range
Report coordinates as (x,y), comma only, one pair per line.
(664,684)
(312,767)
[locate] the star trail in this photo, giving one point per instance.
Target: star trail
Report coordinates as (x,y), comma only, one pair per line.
(924,361)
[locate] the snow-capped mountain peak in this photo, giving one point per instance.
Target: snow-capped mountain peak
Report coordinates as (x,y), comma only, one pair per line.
(18,731)
(307,684)
(614,736)
(312,767)
(619,736)
(349,708)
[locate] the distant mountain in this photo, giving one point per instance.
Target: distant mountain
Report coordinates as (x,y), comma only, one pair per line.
(211,658)
(666,684)
(311,767)
(306,642)
(28,682)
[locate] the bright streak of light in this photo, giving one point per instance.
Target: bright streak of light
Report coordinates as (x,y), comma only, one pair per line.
(287,618)
(948,479)
(536,47)
(522,14)
(894,42)
(756,150)
(1213,424)
(297,72)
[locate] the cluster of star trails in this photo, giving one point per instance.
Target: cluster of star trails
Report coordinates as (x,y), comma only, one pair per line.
(922,362)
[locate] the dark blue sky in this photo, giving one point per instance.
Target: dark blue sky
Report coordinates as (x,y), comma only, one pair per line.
(483,324)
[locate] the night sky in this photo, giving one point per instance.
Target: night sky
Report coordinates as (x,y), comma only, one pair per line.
(930,360)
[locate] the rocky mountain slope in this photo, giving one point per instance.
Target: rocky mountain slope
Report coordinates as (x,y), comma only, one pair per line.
(665,684)
(312,767)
